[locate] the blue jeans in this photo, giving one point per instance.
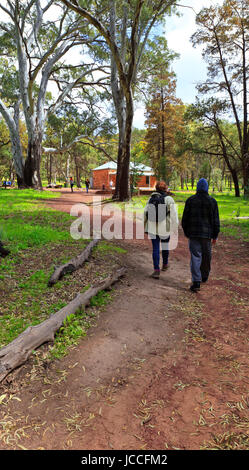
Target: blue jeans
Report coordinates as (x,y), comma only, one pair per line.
(156,251)
(200,262)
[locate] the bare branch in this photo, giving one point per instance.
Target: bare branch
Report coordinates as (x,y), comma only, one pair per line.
(105,33)
(25,13)
(7,12)
(48,6)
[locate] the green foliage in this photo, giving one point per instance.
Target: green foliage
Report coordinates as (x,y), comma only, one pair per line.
(204,171)
(72,130)
(223,34)
(101,299)
(156,58)
(108,248)
(74,327)
(9,83)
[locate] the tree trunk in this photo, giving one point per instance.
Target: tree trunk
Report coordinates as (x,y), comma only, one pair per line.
(120,146)
(78,176)
(50,168)
(16,146)
(246,176)
(18,159)
(77,171)
(32,177)
(186,181)
(73,264)
(192,179)
(223,177)
(120,112)
(18,351)
(235,182)
(182,182)
(68,169)
(11,171)
(124,170)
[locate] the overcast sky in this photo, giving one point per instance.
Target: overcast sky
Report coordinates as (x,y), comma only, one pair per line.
(190,68)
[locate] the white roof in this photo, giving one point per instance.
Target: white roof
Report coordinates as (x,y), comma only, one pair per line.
(113,166)
(107,166)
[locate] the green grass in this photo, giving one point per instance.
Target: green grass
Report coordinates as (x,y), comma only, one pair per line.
(108,247)
(39,238)
(25,222)
(74,327)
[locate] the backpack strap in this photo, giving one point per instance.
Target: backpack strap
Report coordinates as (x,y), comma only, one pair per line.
(167,205)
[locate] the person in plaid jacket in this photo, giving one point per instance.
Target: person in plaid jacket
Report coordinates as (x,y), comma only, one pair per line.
(201,224)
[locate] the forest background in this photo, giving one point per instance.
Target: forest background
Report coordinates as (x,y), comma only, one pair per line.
(72,74)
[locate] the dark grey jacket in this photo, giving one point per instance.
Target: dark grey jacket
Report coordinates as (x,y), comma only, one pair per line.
(201,216)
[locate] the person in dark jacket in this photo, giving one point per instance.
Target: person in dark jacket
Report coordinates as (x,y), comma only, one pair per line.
(87,183)
(201,224)
(71,183)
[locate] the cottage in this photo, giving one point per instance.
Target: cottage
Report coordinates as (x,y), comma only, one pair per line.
(104,176)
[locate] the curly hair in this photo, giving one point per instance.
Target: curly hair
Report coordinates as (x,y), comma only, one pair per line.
(161,186)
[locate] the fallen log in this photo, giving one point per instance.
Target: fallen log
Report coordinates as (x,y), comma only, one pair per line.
(73,264)
(19,350)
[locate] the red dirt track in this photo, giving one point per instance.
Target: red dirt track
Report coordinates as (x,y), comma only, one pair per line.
(162,368)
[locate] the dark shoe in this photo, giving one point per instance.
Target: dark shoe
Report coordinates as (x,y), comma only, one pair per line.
(155,274)
(204,279)
(165,267)
(195,286)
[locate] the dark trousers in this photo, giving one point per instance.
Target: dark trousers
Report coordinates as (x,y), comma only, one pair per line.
(156,251)
(201,254)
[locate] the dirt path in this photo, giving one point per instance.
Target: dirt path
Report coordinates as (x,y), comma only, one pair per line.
(162,368)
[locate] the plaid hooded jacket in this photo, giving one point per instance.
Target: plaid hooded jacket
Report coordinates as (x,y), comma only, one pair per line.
(201,215)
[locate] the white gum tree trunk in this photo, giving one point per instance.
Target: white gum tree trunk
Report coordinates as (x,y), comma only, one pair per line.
(35,65)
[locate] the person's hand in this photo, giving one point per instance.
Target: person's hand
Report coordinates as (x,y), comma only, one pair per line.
(214,242)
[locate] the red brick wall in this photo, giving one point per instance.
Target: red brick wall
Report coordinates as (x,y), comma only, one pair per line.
(142,182)
(101,177)
(152,181)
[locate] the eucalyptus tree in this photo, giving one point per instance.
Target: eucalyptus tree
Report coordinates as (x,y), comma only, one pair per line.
(164,118)
(36,36)
(163,108)
(126,27)
(5,151)
(215,137)
(73,132)
(10,110)
(223,31)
